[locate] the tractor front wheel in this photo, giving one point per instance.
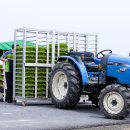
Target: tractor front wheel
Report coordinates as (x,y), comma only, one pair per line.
(64,86)
(114,101)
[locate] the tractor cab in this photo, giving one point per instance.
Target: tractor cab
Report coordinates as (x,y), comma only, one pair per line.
(91,66)
(95,65)
(86,57)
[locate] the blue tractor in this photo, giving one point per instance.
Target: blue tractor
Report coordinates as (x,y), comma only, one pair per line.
(105,78)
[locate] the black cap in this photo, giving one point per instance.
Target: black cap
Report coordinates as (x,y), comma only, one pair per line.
(13,45)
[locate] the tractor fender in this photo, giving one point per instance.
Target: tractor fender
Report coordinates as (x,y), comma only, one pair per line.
(78,65)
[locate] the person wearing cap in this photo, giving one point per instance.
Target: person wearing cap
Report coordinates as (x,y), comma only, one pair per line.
(7,57)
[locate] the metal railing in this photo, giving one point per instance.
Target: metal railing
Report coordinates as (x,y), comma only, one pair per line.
(75,41)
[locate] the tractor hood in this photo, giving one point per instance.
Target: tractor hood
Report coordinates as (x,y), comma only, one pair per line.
(119,59)
(119,68)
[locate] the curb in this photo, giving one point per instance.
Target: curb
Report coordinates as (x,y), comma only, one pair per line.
(114,127)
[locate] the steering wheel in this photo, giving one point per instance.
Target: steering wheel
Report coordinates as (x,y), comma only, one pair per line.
(102,53)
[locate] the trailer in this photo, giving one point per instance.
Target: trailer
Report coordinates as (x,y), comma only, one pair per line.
(33,64)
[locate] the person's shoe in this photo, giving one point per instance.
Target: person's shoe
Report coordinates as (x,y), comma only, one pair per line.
(10,101)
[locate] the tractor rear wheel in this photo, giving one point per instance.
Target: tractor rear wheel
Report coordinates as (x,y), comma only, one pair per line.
(114,101)
(64,86)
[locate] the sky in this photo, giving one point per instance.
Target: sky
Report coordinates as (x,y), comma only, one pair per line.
(110,19)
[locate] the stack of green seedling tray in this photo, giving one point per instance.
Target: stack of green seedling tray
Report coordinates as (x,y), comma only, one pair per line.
(1,77)
(30,71)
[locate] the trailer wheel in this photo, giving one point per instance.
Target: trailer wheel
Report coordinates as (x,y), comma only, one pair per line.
(64,86)
(114,101)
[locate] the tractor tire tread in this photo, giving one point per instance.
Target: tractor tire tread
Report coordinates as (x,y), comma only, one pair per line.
(74,92)
(126,97)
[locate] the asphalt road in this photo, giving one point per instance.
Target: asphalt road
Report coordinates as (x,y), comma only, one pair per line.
(46,116)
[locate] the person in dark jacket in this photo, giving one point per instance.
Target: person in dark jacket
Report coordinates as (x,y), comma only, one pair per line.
(7,57)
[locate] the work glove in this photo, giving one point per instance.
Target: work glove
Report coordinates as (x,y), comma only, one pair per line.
(8,60)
